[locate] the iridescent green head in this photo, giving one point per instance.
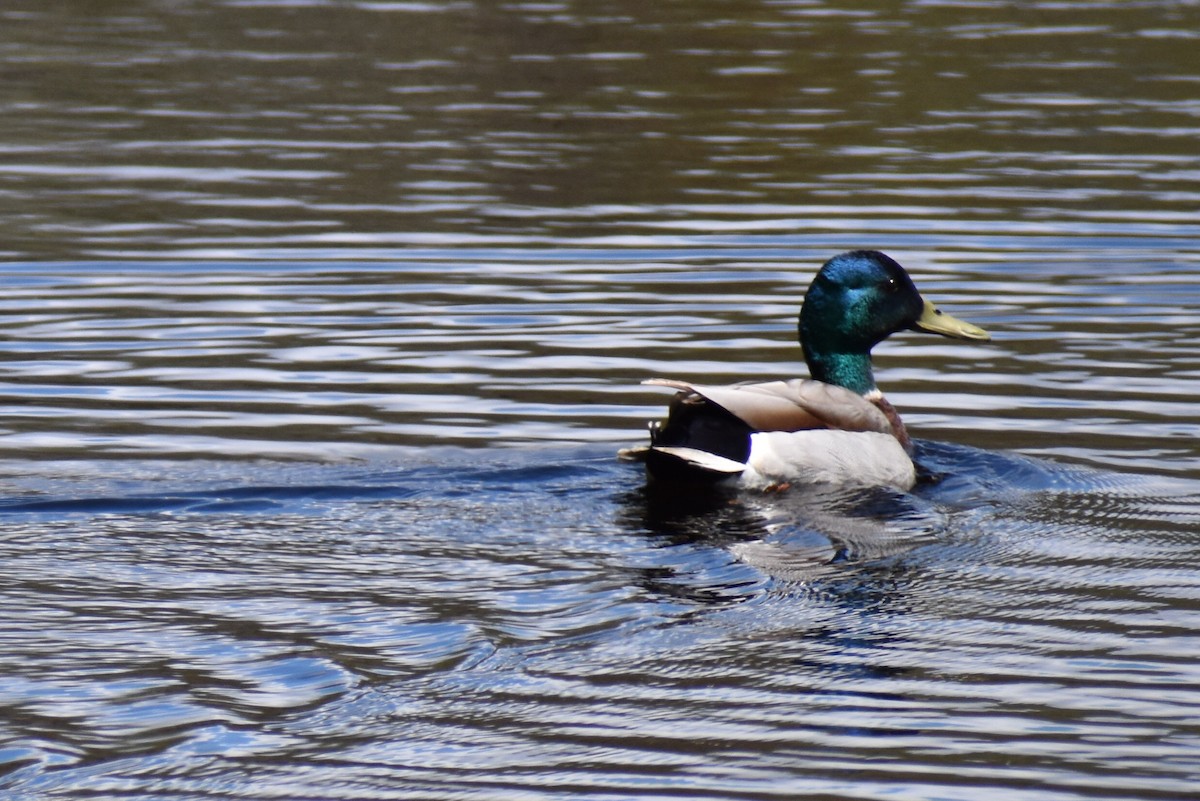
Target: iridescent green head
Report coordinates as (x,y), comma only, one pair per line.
(857,300)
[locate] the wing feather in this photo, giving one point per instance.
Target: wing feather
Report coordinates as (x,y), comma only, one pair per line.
(794,405)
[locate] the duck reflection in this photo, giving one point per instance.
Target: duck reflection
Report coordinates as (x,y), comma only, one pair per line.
(798,535)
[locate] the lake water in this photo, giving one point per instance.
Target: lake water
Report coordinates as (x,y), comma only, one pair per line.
(323,322)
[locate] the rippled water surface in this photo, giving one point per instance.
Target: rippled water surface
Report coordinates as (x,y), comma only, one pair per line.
(323,322)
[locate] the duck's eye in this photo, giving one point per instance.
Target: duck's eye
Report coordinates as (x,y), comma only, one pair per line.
(890,285)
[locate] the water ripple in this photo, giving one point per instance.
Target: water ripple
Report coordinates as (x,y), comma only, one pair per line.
(323,321)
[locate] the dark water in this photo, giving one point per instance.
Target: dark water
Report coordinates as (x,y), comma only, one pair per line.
(322,323)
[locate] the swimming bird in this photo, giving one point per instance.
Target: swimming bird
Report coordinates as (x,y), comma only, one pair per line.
(834,427)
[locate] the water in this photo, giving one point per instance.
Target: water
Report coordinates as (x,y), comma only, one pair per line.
(323,322)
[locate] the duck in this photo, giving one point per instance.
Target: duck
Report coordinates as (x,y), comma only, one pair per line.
(835,427)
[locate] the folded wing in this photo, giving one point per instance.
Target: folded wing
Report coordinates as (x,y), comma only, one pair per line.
(795,405)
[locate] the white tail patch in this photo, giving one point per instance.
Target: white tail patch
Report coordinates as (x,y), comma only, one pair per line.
(704,459)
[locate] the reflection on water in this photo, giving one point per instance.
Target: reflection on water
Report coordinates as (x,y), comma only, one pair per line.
(509,347)
(515,628)
(234,128)
(322,324)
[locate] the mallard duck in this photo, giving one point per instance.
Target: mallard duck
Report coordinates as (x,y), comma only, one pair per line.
(835,427)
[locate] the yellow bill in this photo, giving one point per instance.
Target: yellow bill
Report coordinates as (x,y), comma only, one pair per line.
(938,322)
